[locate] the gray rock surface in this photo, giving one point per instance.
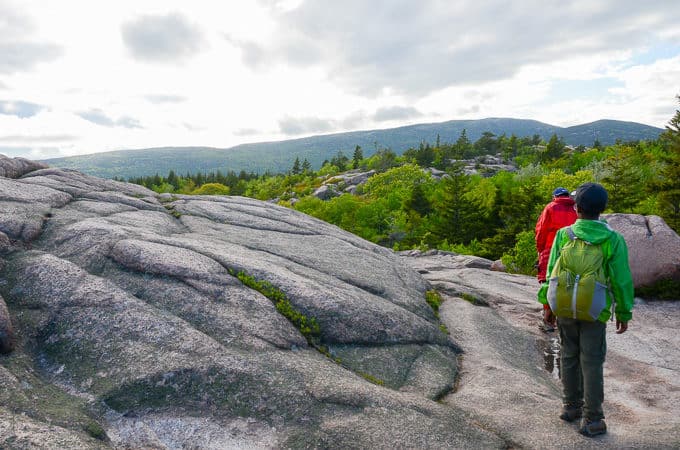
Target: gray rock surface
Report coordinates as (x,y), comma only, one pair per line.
(132,324)
(508,374)
(16,167)
(653,247)
(138,325)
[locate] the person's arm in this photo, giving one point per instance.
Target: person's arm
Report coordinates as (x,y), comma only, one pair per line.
(542,230)
(621,282)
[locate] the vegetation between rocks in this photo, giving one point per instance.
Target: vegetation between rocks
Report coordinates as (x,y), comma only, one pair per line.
(309,327)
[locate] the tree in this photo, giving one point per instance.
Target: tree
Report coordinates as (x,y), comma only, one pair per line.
(623,180)
(296,166)
(555,148)
(357,157)
(486,144)
(463,147)
(306,166)
(340,161)
(669,182)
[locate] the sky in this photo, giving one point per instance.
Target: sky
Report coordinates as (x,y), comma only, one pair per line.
(81,77)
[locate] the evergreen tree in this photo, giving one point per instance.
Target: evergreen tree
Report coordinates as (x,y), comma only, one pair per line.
(296,166)
(669,183)
(555,148)
(458,217)
(463,146)
(306,166)
(357,157)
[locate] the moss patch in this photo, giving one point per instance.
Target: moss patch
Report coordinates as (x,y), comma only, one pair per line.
(433,299)
(308,326)
(661,290)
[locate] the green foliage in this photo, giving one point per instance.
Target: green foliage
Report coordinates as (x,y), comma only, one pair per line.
(662,290)
(212,189)
(523,256)
(309,327)
(403,207)
(433,299)
(96,431)
(371,378)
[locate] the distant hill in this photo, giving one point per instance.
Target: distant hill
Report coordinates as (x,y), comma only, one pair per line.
(279,156)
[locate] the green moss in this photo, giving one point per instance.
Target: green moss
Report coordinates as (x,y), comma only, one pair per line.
(433,299)
(473,299)
(443,328)
(96,431)
(309,327)
(371,378)
(661,290)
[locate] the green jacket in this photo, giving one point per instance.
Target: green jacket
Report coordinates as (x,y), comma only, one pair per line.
(616,266)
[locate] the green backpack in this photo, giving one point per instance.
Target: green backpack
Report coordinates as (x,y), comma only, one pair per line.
(577,287)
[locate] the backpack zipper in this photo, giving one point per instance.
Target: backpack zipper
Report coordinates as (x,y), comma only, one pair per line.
(573,296)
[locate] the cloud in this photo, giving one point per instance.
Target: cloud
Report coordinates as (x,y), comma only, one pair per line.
(98,117)
(164,39)
(246,132)
(19,108)
(18,53)
(305,125)
(396,113)
(164,98)
(38,139)
(416,48)
(31,152)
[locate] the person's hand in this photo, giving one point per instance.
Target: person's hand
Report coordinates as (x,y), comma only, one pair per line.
(621,327)
(549,317)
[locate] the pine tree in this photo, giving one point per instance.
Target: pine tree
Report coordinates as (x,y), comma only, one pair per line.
(357,157)
(296,166)
(669,184)
(306,166)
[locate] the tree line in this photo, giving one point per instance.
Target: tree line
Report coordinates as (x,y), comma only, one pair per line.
(482,213)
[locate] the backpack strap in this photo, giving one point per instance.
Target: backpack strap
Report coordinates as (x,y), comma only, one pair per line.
(570,233)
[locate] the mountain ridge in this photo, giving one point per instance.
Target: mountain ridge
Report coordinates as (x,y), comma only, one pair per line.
(278,156)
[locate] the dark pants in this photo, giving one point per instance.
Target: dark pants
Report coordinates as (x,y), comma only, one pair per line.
(583,349)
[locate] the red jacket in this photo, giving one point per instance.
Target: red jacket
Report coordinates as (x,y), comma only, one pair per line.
(557,214)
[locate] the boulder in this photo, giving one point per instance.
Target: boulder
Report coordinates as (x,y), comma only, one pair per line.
(325,192)
(6,331)
(17,167)
(498,266)
(653,247)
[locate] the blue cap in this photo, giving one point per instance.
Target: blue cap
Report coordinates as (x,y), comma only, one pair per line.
(560,191)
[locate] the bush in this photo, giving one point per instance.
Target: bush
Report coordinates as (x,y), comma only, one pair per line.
(211,189)
(522,258)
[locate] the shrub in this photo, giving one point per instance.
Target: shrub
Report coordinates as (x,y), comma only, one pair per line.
(211,189)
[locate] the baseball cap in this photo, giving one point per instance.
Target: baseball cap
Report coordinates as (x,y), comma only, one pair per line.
(591,198)
(560,191)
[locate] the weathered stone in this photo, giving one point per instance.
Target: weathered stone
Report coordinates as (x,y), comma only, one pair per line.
(6,330)
(653,247)
(510,377)
(498,266)
(129,313)
(5,244)
(325,192)
(16,167)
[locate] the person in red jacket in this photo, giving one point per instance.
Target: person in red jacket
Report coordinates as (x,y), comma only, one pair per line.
(560,212)
(557,214)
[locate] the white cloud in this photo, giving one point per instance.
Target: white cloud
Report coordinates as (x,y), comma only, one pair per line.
(163,38)
(127,74)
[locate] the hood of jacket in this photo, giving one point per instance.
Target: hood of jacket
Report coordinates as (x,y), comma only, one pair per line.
(593,231)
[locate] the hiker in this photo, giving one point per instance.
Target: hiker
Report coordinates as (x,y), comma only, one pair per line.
(589,271)
(556,214)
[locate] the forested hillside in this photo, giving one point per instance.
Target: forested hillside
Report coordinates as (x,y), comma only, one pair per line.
(487,214)
(278,157)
